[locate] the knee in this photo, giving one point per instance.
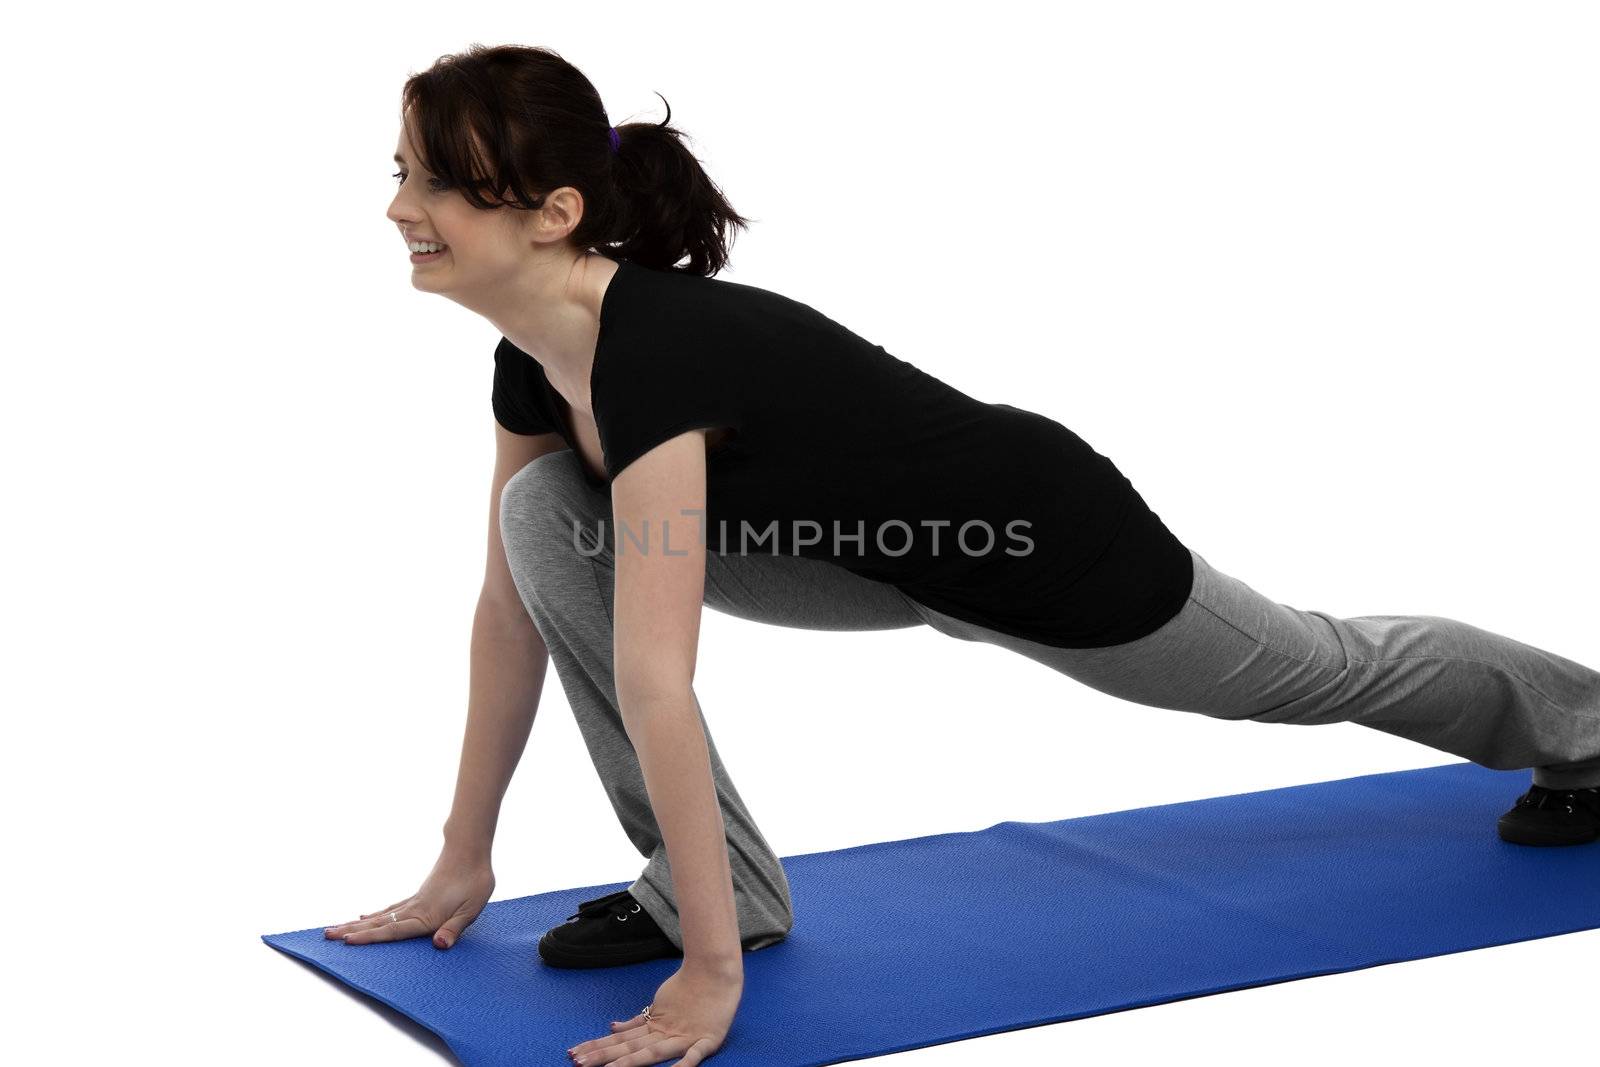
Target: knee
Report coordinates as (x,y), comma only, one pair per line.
(542,516)
(530,490)
(771,935)
(756,944)
(1319,706)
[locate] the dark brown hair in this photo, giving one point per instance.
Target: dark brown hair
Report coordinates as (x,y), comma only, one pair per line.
(514,122)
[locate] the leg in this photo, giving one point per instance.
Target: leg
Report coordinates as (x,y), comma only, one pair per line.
(547,512)
(1233,653)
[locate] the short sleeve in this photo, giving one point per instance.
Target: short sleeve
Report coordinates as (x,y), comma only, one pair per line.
(645,398)
(518,397)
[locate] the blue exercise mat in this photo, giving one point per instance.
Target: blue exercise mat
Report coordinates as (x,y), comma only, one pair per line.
(903,944)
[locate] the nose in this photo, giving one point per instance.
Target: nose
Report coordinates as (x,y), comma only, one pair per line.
(397,212)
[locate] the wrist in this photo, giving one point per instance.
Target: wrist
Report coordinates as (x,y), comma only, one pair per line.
(717,966)
(463,847)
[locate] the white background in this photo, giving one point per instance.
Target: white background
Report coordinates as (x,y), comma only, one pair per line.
(1320,278)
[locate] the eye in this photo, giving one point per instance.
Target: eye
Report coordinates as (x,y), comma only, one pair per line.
(438,185)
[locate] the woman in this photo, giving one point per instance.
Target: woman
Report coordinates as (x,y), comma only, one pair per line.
(667,439)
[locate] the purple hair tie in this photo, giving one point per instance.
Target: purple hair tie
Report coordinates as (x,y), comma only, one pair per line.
(616,140)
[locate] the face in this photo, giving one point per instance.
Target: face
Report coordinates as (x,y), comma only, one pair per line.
(479,245)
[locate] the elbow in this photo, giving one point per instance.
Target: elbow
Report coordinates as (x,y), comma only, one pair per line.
(502,606)
(640,692)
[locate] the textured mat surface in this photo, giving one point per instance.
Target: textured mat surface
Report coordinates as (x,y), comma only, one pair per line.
(902,944)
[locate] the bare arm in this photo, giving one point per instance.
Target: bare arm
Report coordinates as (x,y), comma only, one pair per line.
(659,591)
(509,662)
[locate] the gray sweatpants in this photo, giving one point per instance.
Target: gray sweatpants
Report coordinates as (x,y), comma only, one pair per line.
(1230,653)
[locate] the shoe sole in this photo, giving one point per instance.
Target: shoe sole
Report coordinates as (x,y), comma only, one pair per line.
(1519,834)
(557,956)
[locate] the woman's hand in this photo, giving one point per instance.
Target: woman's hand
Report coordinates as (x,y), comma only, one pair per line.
(449,900)
(689,1017)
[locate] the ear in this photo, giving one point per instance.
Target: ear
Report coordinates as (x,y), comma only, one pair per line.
(559,216)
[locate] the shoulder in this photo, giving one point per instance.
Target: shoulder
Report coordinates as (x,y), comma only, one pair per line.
(514,365)
(644,302)
(508,357)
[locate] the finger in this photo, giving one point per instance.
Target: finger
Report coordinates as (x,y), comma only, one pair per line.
(396,931)
(633,1033)
(384,914)
(605,1049)
(697,1052)
(637,1020)
(345,928)
(657,1052)
(408,926)
(396,906)
(451,929)
(361,924)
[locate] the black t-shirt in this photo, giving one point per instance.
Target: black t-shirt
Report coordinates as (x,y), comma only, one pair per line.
(845,453)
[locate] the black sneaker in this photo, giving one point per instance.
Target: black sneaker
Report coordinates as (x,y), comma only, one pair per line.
(606,932)
(1553,817)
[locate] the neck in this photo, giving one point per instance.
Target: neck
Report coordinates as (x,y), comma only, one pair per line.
(554,316)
